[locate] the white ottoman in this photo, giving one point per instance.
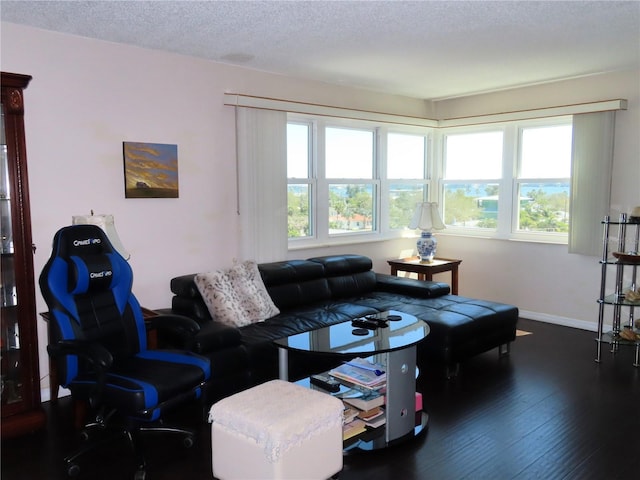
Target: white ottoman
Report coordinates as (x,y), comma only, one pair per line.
(277,430)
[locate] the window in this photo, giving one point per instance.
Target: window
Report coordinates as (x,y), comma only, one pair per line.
(543,179)
(300,186)
(472,173)
(511,180)
(353,181)
(350,178)
(406,175)
(349,174)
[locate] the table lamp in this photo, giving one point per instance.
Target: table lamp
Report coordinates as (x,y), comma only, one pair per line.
(427,217)
(106,223)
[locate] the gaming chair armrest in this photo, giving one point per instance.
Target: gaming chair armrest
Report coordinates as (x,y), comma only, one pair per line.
(93,352)
(175,326)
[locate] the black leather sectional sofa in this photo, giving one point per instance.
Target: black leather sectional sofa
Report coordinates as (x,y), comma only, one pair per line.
(324,290)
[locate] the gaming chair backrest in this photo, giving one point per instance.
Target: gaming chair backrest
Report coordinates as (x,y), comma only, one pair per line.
(86,284)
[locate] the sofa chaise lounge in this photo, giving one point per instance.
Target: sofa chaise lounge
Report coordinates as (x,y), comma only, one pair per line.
(325,290)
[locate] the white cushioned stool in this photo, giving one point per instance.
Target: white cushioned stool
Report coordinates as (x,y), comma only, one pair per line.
(276,430)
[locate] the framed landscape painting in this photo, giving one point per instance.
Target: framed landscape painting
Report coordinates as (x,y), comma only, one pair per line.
(150,170)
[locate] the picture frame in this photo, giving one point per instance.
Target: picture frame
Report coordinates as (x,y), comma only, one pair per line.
(150,170)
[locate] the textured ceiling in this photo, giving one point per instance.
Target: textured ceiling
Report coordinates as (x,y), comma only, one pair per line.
(423,49)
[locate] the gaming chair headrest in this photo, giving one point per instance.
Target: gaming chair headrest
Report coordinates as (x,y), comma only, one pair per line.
(84,260)
(81,240)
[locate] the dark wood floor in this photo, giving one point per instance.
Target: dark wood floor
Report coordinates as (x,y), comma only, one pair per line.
(546,412)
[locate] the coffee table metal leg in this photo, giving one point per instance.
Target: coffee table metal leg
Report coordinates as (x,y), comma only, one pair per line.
(283,364)
(401,388)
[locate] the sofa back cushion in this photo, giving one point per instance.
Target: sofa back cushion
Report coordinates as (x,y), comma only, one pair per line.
(294,283)
(347,275)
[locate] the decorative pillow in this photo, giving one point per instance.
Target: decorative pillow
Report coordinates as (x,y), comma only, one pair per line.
(236,296)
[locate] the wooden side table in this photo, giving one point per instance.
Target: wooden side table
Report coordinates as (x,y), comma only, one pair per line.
(426,271)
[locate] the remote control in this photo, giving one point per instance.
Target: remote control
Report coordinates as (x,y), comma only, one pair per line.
(381,322)
(326,383)
(364,323)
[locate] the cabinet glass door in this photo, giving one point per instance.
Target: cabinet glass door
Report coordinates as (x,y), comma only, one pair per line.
(10,368)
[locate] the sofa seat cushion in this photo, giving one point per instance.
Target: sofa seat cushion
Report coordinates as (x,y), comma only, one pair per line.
(460,327)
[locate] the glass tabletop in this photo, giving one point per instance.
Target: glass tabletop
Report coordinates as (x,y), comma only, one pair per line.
(402,330)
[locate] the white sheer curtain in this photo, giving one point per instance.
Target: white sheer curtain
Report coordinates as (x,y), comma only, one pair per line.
(592,160)
(262,183)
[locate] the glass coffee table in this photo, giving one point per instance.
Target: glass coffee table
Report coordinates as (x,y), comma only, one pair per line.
(393,346)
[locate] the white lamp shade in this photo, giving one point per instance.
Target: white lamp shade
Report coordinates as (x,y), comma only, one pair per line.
(427,217)
(107,224)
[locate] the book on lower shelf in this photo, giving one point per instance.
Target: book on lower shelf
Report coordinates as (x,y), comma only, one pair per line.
(361,372)
(353,428)
(376,422)
(363,400)
(349,414)
(373,418)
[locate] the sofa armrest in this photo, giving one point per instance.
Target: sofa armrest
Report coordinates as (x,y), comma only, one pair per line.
(215,336)
(173,325)
(410,286)
(208,337)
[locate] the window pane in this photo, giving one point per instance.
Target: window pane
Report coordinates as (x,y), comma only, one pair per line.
(543,207)
(546,152)
(474,156)
(349,153)
(297,150)
(402,203)
(299,220)
(350,208)
(405,156)
(471,205)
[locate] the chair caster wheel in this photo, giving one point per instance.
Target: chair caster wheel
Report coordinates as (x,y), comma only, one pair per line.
(73,470)
(84,436)
(188,441)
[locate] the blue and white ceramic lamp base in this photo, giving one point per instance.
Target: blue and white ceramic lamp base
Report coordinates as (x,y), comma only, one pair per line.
(426,246)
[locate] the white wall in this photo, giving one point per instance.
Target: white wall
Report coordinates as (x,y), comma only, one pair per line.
(88,96)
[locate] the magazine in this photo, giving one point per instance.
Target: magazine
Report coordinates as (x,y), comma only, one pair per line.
(361,372)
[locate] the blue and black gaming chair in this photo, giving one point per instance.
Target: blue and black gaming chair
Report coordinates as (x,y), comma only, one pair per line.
(98,338)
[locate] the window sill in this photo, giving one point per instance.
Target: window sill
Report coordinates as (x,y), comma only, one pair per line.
(517,237)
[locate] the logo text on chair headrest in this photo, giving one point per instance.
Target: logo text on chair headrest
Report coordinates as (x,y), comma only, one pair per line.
(102,274)
(88,241)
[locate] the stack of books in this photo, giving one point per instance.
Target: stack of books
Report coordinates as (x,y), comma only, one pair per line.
(369,406)
(364,402)
(357,421)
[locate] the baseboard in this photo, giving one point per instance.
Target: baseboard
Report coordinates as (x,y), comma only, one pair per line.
(557,320)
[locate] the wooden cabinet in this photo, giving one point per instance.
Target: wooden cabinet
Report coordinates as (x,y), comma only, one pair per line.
(21,409)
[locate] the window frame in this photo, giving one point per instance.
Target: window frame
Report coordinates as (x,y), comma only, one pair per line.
(319,209)
(433,182)
(508,203)
(502,187)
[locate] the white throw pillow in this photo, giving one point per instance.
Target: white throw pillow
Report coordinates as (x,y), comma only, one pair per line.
(236,296)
